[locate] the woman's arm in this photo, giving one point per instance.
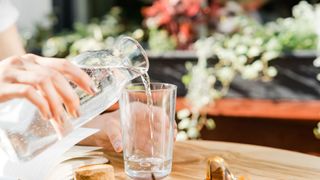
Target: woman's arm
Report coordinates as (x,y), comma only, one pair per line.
(10,43)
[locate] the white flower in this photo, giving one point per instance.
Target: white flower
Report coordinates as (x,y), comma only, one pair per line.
(318,77)
(273,44)
(193,133)
(225,74)
(303,10)
(232,43)
(241,49)
(316,62)
(254,51)
(54,46)
(272,71)
(288,22)
(248,30)
(138,34)
(257,65)
(242,59)
(226,56)
(317,20)
(96,32)
(184,123)
(246,39)
(249,73)
(270,55)
(184,113)
(152,23)
(182,136)
(258,41)
(193,123)
(88,44)
(204,47)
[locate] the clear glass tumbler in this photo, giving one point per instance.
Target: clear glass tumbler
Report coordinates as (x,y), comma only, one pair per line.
(148,129)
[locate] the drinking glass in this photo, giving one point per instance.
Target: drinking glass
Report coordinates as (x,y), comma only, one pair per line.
(147,120)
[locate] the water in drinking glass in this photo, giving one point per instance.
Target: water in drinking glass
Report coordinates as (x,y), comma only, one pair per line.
(148,130)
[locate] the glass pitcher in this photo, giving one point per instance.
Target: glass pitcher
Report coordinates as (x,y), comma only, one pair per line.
(23,134)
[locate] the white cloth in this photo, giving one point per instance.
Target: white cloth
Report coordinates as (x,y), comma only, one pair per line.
(8,14)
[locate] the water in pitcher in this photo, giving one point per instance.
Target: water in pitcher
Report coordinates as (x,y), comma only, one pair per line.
(108,81)
(28,135)
(40,134)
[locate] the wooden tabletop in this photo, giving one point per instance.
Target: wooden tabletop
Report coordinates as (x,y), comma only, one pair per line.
(255,162)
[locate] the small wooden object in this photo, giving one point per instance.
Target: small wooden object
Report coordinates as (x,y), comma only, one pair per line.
(95,172)
(215,169)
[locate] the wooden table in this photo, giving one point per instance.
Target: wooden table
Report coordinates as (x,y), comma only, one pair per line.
(256,162)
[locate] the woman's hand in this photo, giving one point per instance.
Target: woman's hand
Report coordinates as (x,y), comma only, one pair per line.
(43,82)
(109,136)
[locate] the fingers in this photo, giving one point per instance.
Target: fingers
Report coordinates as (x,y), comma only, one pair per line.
(11,61)
(114,133)
(101,138)
(10,91)
(110,134)
(72,72)
(45,76)
(69,97)
(54,101)
(41,77)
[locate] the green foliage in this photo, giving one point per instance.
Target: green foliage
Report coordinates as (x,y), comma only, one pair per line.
(249,47)
(246,51)
(93,36)
(160,41)
(186,79)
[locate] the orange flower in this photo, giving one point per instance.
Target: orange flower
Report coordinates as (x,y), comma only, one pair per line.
(177,16)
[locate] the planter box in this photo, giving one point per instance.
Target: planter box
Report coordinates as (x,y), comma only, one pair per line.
(281,113)
(296,77)
(285,124)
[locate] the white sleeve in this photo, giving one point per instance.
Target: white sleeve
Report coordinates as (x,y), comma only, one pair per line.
(8,14)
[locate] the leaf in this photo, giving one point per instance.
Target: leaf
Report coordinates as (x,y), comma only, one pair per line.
(186,79)
(316,132)
(210,124)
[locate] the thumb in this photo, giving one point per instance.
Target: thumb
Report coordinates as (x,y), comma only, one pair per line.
(113,131)
(115,138)
(117,144)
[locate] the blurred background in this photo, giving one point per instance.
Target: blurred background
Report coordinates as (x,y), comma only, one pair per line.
(247,70)
(70,11)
